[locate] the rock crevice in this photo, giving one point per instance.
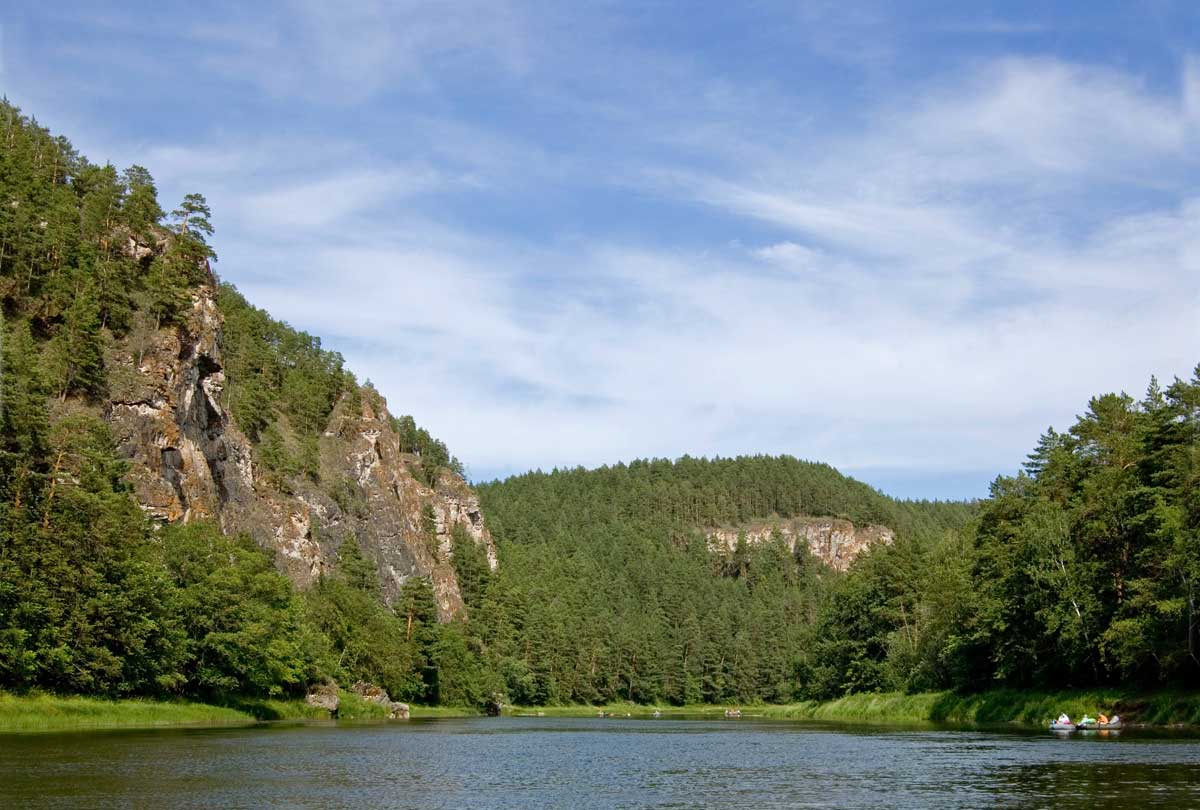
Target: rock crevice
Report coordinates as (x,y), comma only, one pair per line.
(190,461)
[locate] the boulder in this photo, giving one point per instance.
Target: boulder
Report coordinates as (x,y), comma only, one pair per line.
(324,696)
(376,694)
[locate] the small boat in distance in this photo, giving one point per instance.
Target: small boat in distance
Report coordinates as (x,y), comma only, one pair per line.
(733,712)
(1063,723)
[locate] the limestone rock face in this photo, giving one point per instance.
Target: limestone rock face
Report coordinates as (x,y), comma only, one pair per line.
(834,541)
(190,461)
(324,696)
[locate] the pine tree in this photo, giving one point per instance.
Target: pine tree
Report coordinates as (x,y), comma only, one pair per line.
(76,353)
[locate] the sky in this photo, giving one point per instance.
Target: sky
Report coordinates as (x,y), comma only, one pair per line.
(903,238)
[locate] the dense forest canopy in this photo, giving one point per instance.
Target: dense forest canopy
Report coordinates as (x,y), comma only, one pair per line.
(1082,569)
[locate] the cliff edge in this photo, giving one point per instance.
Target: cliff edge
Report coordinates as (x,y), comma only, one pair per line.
(190,461)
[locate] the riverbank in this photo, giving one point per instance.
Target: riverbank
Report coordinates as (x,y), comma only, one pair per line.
(53,713)
(45,712)
(993,708)
(42,712)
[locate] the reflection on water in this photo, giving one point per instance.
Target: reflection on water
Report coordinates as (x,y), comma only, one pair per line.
(532,763)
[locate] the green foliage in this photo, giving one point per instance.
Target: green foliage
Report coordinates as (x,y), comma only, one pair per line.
(367,641)
(83,605)
(432,454)
(1087,563)
(244,623)
(76,241)
(282,386)
(470,568)
(608,592)
(75,356)
(1083,570)
(92,598)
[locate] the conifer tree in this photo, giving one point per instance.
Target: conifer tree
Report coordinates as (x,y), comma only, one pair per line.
(76,353)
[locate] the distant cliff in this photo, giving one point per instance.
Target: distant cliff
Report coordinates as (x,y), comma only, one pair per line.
(833,541)
(191,460)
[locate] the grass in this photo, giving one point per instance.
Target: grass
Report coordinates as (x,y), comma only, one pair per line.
(996,707)
(43,712)
(40,712)
(355,708)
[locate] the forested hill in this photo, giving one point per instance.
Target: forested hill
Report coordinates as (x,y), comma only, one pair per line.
(608,589)
(167,450)
(165,447)
(1082,570)
(671,497)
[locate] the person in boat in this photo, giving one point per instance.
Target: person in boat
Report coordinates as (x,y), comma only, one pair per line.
(1063,719)
(1086,721)
(1102,719)
(1116,718)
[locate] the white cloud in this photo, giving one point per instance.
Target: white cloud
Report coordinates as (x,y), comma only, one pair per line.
(901,321)
(923,285)
(350,51)
(1047,115)
(331,200)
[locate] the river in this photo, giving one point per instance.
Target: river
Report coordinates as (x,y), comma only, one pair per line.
(533,763)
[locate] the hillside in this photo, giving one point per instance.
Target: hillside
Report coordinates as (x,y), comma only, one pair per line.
(198,500)
(226,414)
(139,397)
(622,594)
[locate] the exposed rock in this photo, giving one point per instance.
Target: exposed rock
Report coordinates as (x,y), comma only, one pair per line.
(190,461)
(375,694)
(834,541)
(324,696)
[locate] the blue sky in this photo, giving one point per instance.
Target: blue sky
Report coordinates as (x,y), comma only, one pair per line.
(902,238)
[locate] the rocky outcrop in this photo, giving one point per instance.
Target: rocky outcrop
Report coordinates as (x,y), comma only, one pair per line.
(190,461)
(324,696)
(376,694)
(834,541)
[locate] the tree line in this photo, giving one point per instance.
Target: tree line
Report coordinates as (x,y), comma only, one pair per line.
(1079,570)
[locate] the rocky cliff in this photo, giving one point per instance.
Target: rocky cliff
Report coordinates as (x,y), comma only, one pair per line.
(190,461)
(834,541)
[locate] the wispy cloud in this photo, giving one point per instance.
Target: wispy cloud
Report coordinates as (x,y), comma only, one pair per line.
(563,236)
(352,51)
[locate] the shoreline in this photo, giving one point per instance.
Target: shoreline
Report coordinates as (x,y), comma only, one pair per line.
(995,708)
(41,712)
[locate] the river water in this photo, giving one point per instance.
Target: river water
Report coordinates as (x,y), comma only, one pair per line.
(534,763)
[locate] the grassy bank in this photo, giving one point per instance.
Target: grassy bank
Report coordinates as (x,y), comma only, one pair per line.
(43,712)
(51,713)
(1034,708)
(40,712)
(997,707)
(893,708)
